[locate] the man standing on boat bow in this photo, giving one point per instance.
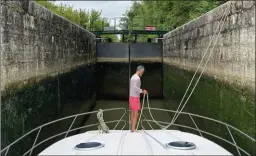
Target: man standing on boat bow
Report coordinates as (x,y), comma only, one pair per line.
(134,98)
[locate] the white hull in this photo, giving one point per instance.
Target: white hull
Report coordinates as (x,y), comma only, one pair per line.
(123,142)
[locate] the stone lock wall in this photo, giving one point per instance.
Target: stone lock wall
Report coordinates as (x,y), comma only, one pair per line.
(37,42)
(227,88)
(233,57)
(47,71)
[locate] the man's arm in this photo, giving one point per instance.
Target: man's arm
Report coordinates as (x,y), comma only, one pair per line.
(135,86)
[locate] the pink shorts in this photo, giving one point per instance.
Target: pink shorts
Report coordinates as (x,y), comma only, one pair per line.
(134,103)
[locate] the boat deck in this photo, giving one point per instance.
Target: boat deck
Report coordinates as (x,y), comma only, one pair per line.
(123,142)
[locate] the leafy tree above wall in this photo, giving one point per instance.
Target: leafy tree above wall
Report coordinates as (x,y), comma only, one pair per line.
(165,15)
(90,20)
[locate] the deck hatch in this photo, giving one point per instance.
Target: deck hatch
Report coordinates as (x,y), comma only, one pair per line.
(89,146)
(181,145)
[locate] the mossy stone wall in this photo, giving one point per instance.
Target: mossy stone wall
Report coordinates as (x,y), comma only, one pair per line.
(215,99)
(41,101)
(152,79)
(226,90)
(47,72)
(113,79)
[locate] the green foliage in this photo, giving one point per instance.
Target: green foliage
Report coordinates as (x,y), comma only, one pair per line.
(163,14)
(90,20)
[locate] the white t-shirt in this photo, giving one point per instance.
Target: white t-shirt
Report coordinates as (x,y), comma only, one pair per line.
(135,86)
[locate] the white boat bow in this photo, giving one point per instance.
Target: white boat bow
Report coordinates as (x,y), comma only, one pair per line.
(142,142)
(124,142)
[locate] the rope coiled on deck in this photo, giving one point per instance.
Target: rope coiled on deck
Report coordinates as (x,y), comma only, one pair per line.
(103,128)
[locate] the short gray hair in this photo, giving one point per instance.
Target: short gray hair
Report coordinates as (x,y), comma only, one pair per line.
(140,67)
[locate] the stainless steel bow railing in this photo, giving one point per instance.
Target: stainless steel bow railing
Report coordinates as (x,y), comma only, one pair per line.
(191,115)
(35,144)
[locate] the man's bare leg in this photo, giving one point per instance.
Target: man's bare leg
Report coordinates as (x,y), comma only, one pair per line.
(133,121)
(136,114)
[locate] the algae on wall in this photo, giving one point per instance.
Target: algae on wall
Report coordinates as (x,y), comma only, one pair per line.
(113,79)
(27,106)
(152,79)
(214,99)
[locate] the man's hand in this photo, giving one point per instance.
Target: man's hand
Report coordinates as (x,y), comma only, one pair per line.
(144,91)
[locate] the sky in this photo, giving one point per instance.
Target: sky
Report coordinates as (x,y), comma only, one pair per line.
(110,9)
